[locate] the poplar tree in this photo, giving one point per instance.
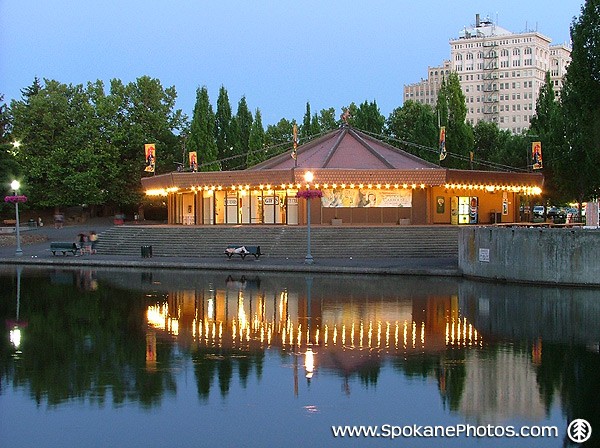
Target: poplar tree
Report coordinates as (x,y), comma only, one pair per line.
(224,132)
(547,127)
(452,110)
(243,121)
(202,133)
(580,98)
(256,144)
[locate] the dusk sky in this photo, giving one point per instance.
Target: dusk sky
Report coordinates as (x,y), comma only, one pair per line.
(279,54)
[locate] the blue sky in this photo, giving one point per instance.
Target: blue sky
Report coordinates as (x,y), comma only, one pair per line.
(279,54)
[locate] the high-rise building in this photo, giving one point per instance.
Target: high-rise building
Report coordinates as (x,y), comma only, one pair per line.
(500,73)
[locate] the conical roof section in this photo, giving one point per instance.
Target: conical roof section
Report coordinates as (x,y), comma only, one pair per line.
(346,149)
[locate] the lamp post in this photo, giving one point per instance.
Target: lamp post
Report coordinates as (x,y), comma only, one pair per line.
(15,185)
(308,177)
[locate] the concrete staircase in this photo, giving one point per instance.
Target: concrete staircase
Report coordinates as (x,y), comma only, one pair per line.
(284,241)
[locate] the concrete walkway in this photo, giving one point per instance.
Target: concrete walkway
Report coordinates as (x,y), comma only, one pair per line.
(38,254)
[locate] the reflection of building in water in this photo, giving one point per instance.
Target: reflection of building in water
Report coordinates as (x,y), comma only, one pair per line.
(242,315)
(500,385)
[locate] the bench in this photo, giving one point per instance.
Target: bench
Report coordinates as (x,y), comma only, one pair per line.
(64,247)
(10,222)
(242,251)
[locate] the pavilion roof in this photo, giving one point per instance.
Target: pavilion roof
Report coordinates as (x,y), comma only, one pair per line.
(348,149)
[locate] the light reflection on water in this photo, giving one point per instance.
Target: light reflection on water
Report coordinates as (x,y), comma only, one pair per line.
(182,358)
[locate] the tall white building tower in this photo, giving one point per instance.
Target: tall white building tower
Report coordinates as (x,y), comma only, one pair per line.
(500,73)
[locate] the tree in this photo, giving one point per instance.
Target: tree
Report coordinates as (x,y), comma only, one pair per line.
(53,122)
(243,123)
(256,153)
(547,127)
(327,121)
(278,137)
(367,117)
(415,123)
(305,129)
(452,110)
(202,132)
(146,115)
(9,168)
(224,131)
(580,97)
(81,146)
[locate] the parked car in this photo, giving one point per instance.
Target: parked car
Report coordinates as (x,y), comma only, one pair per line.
(538,211)
(555,212)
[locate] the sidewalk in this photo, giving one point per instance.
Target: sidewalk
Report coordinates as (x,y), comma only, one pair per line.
(38,254)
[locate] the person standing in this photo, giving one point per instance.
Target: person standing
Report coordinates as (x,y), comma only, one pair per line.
(93,241)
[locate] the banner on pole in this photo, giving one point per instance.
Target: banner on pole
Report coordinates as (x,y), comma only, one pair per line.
(442,143)
(536,155)
(193,161)
(150,152)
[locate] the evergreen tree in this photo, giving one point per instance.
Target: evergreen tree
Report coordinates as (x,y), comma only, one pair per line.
(547,127)
(278,137)
(224,138)
(415,123)
(580,98)
(202,133)
(327,120)
(243,120)
(367,117)
(305,129)
(257,152)
(452,110)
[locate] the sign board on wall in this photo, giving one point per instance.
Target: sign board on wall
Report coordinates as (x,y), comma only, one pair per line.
(366,198)
(484,255)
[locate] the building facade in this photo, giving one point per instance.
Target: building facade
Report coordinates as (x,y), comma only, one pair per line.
(360,180)
(500,73)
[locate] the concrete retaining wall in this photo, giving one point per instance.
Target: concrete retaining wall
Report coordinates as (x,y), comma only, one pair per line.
(531,255)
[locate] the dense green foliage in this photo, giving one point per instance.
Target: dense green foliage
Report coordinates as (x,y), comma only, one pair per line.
(81,145)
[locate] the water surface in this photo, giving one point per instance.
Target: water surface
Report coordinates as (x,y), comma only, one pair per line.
(98,358)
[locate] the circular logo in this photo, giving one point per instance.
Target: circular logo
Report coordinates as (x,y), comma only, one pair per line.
(579,430)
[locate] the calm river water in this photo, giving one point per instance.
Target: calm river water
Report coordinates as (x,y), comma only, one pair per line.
(132,358)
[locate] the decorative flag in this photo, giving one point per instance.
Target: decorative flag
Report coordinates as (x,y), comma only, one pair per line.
(536,154)
(442,143)
(295,142)
(193,161)
(150,151)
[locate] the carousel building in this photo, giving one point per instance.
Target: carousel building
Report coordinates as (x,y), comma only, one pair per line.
(360,180)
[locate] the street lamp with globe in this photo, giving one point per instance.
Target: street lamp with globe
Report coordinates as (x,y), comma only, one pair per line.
(308,178)
(15,185)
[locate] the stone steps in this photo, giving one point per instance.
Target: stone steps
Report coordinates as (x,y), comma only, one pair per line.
(284,241)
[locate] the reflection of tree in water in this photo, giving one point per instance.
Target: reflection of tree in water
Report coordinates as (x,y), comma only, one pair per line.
(571,374)
(211,362)
(448,367)
(83,345)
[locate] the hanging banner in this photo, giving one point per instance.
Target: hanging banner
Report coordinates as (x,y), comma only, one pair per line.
(193,161)
(150,151)
(295,142)
(536,155)
(442,142)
